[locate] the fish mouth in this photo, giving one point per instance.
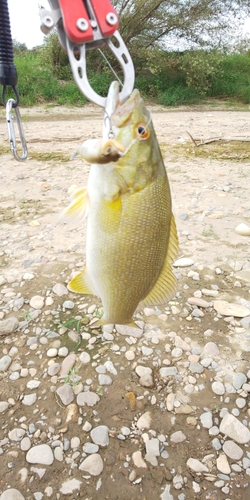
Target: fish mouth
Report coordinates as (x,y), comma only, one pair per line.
(117,113)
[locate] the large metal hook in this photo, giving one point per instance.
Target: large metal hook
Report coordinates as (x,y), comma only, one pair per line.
(11,104)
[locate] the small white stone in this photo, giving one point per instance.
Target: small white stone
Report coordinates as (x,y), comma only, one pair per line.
(234,429)
(183,262)
(177,437)
(138,460)
(85,357)
(52,352)
(218,388)
(196,465)
(12,494)
(130,355)
(29,399)
(69,486)
(231,309)
(40,454)
(144,421)
(37,302)
(243,229)
(222,464)
(60,290)
(93,464)
(232,450)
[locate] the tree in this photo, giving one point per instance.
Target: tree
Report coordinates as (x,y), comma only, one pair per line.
(201,23)
(18,47)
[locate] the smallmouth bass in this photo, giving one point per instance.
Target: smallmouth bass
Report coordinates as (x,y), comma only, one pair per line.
(131,235)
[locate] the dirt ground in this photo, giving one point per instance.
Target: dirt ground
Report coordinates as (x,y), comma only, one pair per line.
(210,193)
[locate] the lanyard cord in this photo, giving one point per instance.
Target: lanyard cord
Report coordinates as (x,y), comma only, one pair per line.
(8,73)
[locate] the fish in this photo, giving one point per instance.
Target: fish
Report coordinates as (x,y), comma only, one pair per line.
(131,239)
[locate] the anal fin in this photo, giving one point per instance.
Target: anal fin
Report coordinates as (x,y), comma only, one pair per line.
(165,286)
(79,284)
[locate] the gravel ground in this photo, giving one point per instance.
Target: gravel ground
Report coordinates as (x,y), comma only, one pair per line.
(125,413)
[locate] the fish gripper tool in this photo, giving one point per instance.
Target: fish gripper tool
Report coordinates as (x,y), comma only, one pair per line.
(84,25)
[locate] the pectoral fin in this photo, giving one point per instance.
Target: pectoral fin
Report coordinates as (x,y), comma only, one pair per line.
(165,286)
(78,208)
(79,284)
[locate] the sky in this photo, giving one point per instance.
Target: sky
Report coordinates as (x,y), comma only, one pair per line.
(25,21)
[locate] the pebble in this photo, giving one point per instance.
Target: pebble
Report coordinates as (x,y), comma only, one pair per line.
(129,331)
(93,464)
(177,437)
(29,399)
(85,358)
(25,444)
(207,419)
(8,326)
(66,394)
(68,304)
(218,388)
(152,447)
(88,398)
(231,309)
(63,352)
(130,355)
(5,362)
(52,352)
(16,434)
(37,302)
(40,454)
(166,495)
(243,229)
(196,465)
(232,450)
(67,364)
(90,448)
(54,369)
(12,494)
(183,262)
(100,435)
(170,371)
(238,380)
(69,486)
(144,421)
(234,429)
(198,302)
(4,405)
(222,464)
(60,290)
(104,379)
(138,460)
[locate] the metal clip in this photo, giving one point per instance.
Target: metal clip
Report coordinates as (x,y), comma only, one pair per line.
(11,130)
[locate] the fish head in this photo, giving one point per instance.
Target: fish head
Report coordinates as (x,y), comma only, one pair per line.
(131,124)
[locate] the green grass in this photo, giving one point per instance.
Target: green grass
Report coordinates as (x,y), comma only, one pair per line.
(177,81)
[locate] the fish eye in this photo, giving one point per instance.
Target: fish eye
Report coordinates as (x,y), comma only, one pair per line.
(142,131)
(108,150)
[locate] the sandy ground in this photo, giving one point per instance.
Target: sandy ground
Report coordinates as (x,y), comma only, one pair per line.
(210,199)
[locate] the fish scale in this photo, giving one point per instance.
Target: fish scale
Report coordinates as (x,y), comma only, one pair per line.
(130,255)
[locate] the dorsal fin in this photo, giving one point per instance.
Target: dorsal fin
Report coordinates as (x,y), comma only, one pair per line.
(165,286)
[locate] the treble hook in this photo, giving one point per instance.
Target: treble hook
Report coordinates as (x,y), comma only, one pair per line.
(11,104)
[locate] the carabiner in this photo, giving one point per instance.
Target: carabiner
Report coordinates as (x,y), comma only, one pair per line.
(11,130)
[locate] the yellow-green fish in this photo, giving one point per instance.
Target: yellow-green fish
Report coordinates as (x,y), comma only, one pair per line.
(131,234)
